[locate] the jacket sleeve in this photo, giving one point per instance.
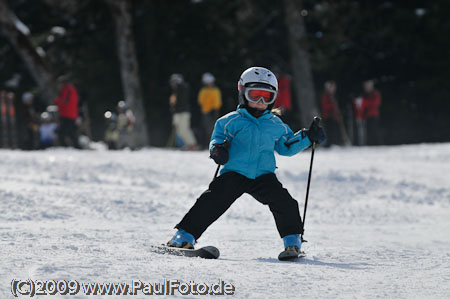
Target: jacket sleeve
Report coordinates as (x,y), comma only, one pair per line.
(221,132)
(62,94)
(291,144)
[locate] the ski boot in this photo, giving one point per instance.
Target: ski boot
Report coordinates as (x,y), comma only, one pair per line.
(182,239)
(292,248)
(293,243)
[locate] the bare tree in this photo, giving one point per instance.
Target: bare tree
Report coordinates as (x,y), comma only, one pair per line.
(301,68)
(18,35)
(121,12)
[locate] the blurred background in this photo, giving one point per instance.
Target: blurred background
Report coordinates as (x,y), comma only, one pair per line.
(116,50)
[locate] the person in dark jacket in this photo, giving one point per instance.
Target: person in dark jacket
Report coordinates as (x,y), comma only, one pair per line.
(244,142)
(181,112)
(31,121)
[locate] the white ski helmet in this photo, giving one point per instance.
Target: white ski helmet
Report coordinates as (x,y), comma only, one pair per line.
(110,116)
(176,79)
(45,116)
(208,78)
(27,98)
(257,78)
(122,106)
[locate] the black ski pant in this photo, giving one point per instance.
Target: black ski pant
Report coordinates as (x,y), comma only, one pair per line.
(225,189)
(68,128)
(373,131)
(333,132)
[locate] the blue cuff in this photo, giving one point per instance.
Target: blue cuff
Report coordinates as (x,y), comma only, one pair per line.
(292,240)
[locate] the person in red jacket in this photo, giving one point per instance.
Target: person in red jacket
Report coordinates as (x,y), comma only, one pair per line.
(284,99)
(8,119)
(330,113)
(67,103)
(371,101)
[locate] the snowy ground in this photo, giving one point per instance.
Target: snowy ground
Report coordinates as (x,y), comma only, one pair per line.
(378,222)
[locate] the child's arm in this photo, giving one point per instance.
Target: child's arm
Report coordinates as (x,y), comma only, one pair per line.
(221,132)
(291,144)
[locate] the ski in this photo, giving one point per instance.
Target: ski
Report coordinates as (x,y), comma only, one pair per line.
(207,252)
(289,255)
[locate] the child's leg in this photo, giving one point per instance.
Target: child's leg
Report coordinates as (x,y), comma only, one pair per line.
(221,194)
(269,191)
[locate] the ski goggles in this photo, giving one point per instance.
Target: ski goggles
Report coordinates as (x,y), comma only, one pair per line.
(256,94)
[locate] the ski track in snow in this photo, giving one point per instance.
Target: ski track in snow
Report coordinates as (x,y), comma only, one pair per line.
(377,225)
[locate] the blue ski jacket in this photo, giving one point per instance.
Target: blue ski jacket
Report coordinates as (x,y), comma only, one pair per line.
(254,140)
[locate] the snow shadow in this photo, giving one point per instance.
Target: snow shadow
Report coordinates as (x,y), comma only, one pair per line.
(315,262)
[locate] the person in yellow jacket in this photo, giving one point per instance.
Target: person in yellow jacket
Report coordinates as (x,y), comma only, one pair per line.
(210,100)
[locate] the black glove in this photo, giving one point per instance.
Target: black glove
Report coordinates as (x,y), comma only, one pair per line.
(219,153)
(315,132)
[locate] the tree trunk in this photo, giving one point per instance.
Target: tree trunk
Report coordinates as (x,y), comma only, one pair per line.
(36,64)
(301,68)
(121,13)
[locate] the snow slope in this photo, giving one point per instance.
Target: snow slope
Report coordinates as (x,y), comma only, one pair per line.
(378,222)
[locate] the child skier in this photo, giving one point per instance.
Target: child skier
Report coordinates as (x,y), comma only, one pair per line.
(244,142)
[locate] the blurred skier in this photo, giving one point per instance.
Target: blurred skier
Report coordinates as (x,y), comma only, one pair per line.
(372,101)
(67,102)
(284,99)
(332,116)
(8,116)
(330,112)
(47,131)
(111,133)
(244,142)
(210,100)
(125,125)
(367,115)
(31,121)
(360,121)
(180,108)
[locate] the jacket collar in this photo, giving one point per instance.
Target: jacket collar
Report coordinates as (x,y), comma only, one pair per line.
(266,115)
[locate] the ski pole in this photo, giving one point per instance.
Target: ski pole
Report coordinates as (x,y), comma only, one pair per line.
(316,121)
(217,171)
(226,144)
